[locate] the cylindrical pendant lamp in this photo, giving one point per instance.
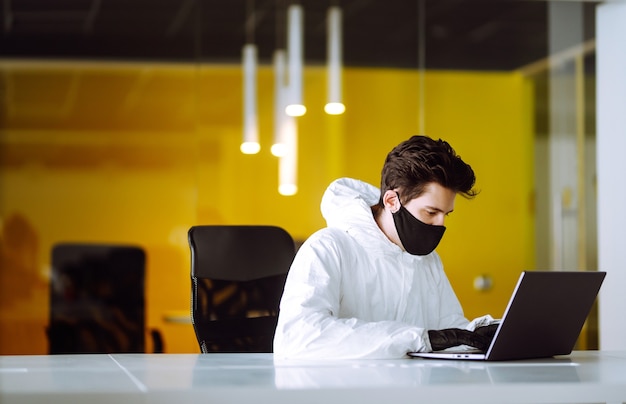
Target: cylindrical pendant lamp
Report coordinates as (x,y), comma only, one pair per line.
(288,164)
(334,104)
(295,44)
(250,144)
(280,117)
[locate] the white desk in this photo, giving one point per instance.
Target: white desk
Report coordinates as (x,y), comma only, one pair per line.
(583,377)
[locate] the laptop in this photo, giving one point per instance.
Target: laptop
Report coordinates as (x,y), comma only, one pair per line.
(544,318)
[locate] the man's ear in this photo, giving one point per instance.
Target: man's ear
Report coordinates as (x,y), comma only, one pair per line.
(391,200)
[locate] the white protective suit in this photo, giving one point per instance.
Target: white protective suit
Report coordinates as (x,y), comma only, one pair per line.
(352,293)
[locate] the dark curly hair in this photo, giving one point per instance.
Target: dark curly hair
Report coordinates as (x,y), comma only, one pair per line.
(420,160)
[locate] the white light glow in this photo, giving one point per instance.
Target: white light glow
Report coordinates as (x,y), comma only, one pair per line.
(334,108)
(295,110)
(279,149)
(288,189)
(250,147)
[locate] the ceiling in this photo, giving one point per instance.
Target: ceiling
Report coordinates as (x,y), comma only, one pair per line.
(457,34)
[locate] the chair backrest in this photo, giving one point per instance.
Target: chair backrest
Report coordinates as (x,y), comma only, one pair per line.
(237,279)
(97,299)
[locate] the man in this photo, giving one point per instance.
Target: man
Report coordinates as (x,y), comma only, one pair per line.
(370,284)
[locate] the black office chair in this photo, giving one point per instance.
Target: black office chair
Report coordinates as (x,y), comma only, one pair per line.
(237,279)
(97,302)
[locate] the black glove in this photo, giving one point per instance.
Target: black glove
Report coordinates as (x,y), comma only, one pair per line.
(449,337)
(487,331)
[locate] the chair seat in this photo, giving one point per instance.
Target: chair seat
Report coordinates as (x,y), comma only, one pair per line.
(238,334)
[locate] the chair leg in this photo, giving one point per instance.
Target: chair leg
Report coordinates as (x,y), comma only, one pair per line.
(157,341)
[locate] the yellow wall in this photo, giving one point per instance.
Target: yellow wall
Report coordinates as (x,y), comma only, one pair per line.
(138,153)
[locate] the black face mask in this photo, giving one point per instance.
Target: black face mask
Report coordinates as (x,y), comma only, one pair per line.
(417,237)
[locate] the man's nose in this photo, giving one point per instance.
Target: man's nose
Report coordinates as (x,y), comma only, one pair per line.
(439,220)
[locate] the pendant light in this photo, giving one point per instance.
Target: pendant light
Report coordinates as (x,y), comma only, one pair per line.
(421,56)
(250,144)
(288,163)
(280,93)
(295,42)
(280,82)
(286,126)
(334,104)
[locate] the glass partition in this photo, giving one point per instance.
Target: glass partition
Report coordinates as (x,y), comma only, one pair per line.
(122,123)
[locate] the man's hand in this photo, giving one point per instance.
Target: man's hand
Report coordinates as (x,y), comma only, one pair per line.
(487,331)
(449,337)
